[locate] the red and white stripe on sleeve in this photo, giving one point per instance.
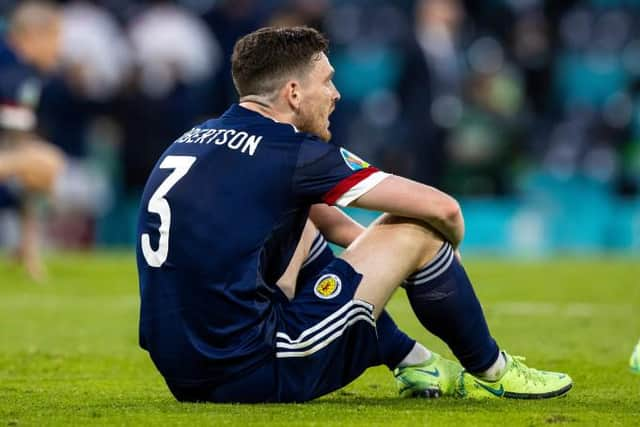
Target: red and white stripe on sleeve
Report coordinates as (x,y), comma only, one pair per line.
(16,117)
(354,186)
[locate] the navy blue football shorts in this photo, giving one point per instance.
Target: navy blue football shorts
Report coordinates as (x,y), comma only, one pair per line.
(325,340)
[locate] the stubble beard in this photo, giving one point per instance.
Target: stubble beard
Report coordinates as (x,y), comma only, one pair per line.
(314,122)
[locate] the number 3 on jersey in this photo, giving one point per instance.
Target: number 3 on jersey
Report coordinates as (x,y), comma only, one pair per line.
(159,205)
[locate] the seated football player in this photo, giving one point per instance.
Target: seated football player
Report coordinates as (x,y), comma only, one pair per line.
(227,222)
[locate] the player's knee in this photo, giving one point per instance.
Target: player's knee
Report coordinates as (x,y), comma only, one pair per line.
(413,228)
(52,159)
(42,165)
(416,236)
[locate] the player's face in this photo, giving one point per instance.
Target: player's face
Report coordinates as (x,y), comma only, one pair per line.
(50,46)
(44,45)
(319,97)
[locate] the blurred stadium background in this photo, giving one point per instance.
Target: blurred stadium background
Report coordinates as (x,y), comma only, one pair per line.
(527,110)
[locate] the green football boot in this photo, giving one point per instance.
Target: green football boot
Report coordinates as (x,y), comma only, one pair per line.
(434,378)
(634,361)
(518,382)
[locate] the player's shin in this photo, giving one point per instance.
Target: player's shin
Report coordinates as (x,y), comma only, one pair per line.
(443,299)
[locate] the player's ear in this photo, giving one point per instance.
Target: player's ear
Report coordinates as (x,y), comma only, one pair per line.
(292,94)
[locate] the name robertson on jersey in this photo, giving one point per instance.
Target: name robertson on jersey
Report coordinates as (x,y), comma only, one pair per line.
(230,137)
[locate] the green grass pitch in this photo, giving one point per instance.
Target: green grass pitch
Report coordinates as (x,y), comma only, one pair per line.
(69,355)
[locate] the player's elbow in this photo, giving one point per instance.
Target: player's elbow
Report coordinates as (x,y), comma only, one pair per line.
(451,217)
(452,211)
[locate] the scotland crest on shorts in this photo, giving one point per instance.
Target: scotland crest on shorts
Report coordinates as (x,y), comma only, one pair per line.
(328,286)
(354,162)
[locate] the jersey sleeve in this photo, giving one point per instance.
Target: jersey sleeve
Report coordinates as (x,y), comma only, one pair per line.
(331,174)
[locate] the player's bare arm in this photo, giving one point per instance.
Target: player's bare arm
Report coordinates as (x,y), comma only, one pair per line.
(406,198)
(336,226)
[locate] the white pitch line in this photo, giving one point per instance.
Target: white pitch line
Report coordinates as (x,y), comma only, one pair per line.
(566,309)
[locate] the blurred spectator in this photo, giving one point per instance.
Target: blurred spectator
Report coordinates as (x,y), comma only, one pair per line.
(366,51)
(484,146)
(28,166)
(95,60)
(431,86)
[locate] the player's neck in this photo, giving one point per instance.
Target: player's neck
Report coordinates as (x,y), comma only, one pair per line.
(264,108)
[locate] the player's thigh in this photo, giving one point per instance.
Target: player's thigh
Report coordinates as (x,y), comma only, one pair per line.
(387,252)
(326,338)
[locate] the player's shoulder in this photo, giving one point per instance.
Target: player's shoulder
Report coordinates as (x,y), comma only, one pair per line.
(313,148)
(10,65)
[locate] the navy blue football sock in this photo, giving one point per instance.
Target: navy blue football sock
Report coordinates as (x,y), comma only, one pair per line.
(394,344)
(443,299)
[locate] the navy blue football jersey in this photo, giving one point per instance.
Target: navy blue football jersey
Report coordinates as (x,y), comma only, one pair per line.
(20,88)
(221,215)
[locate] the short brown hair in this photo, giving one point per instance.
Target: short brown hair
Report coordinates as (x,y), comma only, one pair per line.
(262,59)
